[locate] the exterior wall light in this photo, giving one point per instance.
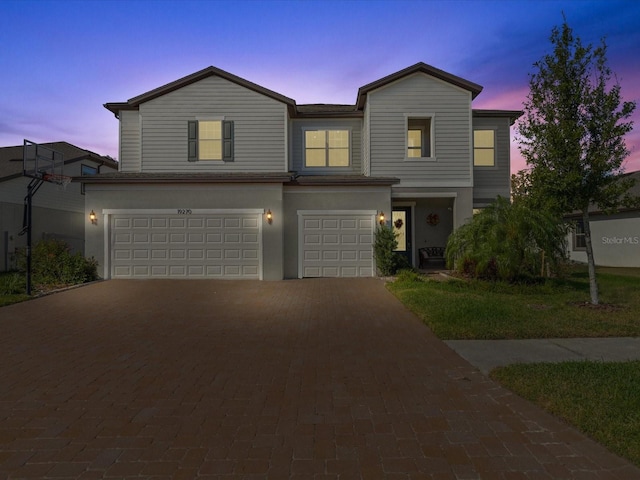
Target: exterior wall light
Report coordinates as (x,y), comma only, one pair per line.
(269,217)
(381,218)
(93,217)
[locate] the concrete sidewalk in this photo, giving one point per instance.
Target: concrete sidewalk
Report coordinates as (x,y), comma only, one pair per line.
(489,354)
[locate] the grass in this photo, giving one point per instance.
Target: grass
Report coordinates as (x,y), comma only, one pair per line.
(12,288)
(555,308)
(600,399)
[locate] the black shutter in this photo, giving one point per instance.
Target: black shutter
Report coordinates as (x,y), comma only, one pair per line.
(193,141)
(227,141)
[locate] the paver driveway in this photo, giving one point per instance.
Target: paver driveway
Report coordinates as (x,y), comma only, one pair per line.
(328,378)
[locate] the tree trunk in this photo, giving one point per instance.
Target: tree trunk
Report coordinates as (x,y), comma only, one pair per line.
(593,284)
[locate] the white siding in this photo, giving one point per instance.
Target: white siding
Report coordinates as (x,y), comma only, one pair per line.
(130,146)
(259,128)
(355,131)
(366,154)
(489,182)
(416,95)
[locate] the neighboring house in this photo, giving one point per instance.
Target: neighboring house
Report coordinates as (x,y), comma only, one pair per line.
(57,212)
(615,237)
(222,178)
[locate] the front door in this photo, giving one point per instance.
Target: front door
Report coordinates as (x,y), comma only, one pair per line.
(401,221)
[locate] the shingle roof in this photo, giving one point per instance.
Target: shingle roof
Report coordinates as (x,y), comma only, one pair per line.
(11,163)
(327,109)
(349,180)
(188,177)
(512,115)
(236,177)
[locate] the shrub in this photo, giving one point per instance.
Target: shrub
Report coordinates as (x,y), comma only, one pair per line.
(12,283)
(383,250)
(388,260)
(52,263)
(507,242)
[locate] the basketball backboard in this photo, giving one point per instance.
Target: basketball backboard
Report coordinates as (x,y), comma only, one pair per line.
(42,162)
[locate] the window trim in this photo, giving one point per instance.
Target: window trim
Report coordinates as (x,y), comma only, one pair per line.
(473,146)
(432,137)
(324,128)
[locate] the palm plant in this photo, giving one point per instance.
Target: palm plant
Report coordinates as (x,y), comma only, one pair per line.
(507,241)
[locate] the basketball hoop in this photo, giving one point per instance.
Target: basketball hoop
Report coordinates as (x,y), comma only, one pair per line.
(61,180)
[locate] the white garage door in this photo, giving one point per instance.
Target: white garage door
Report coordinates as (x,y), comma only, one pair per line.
(336,245)
(193,245)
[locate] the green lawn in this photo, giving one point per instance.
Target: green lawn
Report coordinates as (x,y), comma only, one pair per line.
(470,309)
(601,399)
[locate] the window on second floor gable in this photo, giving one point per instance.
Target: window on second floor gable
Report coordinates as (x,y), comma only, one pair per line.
(210,140)
(419,141)
(326,148)
(484,148)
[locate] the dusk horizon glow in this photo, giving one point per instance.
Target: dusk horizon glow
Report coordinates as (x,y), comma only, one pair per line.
(67,58)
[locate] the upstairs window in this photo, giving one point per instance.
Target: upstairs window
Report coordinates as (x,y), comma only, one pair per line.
(484,150)
(326,148)
(419,141)
(210,140)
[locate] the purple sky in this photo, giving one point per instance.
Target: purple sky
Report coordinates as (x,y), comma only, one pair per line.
(60,61)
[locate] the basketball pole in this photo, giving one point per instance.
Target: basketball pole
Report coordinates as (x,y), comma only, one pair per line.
(32,188)
(42,164)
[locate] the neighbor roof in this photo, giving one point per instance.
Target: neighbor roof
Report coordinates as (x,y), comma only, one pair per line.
(11,162)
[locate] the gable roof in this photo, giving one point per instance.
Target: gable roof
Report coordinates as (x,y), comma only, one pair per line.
(419,67)
(134,103)
(11,162)
(303,111)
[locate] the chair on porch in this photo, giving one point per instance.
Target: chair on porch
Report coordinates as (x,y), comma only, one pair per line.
(428,255)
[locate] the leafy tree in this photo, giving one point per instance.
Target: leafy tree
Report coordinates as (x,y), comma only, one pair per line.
(508,242)
(572,135)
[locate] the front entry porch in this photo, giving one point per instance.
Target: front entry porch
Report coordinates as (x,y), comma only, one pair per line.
(423,226)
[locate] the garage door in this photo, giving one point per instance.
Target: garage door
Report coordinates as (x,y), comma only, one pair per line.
(336,245)
(191,245)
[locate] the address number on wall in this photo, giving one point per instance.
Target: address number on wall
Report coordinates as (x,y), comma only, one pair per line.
(184,211)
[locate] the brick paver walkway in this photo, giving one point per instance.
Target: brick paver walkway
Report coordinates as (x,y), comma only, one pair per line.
(225,379)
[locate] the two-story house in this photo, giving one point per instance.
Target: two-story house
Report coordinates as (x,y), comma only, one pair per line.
(58,212)
(222,178)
